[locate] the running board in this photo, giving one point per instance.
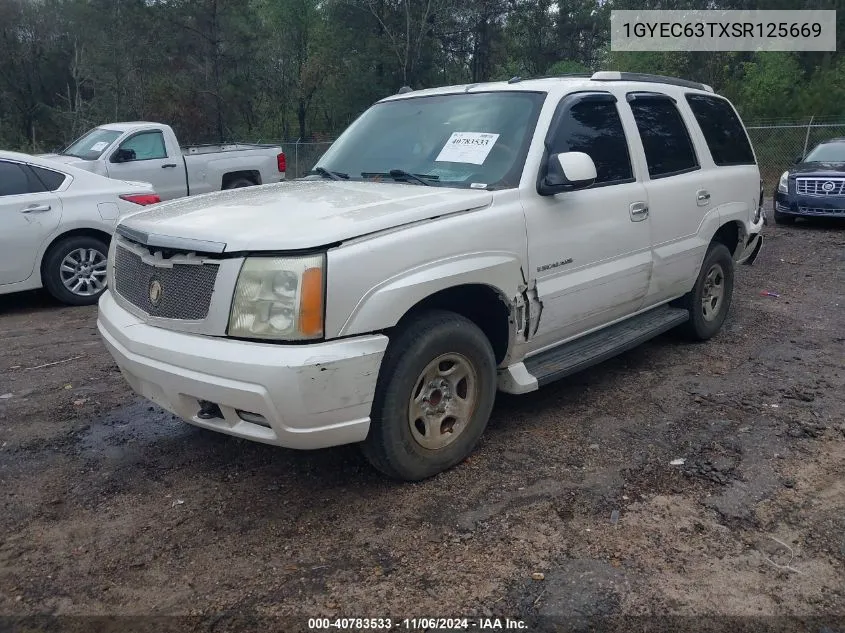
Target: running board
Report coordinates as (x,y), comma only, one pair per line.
(570,358)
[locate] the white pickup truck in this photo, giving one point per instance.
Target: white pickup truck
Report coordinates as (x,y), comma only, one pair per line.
(501,236)
(150,152)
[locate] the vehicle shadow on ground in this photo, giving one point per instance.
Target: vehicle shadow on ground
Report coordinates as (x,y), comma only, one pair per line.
(28,301)
(817,224)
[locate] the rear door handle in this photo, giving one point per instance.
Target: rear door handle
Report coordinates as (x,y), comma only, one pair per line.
(168,165)
(37,208)
(702,197)
(639,211)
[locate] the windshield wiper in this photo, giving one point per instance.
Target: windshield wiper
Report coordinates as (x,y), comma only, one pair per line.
(334,175)
(401,174)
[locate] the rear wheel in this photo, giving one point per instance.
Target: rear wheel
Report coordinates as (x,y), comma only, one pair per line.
(238,183)
(74,270)
(434,396)
(710,298)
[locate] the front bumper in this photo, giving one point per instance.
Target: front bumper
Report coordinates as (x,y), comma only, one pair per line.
(298,396)
(809,206)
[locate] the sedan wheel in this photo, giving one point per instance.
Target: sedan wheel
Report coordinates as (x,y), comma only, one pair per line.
(83,272)
(74,269)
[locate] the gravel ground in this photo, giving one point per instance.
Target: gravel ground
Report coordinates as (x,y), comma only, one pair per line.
(570,508)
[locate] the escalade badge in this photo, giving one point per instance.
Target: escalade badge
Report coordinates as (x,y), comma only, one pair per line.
(828,186)
(155,292)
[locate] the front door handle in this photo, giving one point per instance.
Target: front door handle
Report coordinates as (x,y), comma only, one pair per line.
(37,208)
(168,165)
(639,211)
(702,197)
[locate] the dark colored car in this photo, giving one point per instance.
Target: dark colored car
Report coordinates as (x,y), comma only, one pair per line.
(814,186)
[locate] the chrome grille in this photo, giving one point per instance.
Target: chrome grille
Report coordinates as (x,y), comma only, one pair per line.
(186,289)
(820,186)
(820,211)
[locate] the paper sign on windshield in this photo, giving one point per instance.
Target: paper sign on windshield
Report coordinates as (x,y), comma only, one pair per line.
(467,147)
(99,147)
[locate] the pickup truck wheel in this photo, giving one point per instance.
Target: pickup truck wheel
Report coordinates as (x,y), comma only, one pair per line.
(710,298)
(237,183)
(434,396)
(74,270)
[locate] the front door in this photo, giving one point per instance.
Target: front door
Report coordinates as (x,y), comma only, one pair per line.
(148,161)
(589,250)
(28,215)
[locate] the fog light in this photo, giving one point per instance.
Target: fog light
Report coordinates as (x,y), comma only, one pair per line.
(254,418)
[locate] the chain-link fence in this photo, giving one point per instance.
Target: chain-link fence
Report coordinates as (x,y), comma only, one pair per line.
(301,157)
(778,143)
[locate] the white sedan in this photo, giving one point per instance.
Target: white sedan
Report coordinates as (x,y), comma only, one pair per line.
(56,222)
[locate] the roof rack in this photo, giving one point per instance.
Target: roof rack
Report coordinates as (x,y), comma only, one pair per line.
(612,75)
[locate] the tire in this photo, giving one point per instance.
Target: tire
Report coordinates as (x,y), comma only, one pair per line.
(238,183)
(784,218)
(440,363)
(717,272)
(76,261)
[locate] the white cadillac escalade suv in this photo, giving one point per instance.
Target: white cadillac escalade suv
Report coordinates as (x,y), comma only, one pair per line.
(451,243)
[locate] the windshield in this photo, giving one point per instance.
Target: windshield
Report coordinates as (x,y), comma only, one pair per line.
(458,140)
(92,145)
(827,153)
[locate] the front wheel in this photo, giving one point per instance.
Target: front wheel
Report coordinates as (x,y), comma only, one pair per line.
(435,392)
(74,270)
(710,299)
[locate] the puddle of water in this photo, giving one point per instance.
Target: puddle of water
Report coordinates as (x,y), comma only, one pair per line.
(131,428)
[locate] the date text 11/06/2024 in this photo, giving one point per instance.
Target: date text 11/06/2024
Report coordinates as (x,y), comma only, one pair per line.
(416,624)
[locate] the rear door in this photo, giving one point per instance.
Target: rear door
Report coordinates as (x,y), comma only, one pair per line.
(149,160)
(678,194)
(29,214)
(589,250)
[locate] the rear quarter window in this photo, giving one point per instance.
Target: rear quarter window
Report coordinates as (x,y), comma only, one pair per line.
(52,180)
(722,130)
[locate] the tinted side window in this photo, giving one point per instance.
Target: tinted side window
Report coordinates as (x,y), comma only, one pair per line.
(666,141)
(52,179)
(722,130)
(146,145)
(13,180)
(594,127)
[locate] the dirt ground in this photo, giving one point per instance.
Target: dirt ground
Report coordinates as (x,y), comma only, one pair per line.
(111,506)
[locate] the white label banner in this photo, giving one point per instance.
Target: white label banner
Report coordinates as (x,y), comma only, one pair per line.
(653,30)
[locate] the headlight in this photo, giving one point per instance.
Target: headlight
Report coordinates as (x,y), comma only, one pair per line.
(782,186)
(279,298)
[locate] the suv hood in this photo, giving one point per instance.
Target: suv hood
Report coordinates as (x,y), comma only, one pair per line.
(300,214)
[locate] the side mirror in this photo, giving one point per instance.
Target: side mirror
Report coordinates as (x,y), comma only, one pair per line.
(798,159)
(567,171)
(123,156)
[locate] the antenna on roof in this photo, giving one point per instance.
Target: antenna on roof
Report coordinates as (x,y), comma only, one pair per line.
(514,80)
(405,89)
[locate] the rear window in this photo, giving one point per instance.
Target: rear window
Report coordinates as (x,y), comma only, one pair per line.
(666,140)
(52,180)
(722,130)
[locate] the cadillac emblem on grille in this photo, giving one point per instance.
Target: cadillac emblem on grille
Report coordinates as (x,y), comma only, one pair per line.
(828,186)
(155,292)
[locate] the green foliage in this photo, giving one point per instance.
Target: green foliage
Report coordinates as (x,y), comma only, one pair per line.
(288,69)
